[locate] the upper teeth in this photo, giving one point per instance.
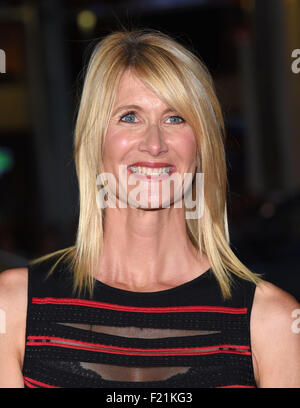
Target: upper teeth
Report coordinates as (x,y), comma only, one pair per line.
(150,171)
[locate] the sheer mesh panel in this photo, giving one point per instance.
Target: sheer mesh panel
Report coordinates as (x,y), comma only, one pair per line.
(134,374)
(137,332)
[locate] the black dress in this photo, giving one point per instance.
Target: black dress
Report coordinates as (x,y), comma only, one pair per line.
(183,337)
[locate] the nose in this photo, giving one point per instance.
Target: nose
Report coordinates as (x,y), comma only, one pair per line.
(153,141)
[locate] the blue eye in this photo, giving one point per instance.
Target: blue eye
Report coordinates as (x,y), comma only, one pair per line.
(129,115)
(176,117)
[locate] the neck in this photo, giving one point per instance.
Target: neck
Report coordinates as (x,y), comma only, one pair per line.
(145,249)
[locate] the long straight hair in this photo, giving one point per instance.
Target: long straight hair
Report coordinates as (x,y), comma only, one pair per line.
(182,81)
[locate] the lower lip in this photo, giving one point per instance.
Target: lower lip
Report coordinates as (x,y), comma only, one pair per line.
(155,177)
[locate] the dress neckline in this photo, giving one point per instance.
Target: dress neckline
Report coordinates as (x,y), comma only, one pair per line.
(102,285)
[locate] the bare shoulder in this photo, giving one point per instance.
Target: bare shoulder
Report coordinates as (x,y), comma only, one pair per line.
(268,292)
(273,309)
(13,305)
(13,298)
(275,337)
(13,288)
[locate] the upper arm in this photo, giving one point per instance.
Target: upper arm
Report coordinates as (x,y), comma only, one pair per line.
(13,306)
(275,338)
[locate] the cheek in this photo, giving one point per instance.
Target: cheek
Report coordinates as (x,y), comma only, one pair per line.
(186,145)
(115,146)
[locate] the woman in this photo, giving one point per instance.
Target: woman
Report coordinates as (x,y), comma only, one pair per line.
(150,295)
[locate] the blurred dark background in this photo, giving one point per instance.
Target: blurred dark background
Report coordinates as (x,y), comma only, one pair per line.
(247,46)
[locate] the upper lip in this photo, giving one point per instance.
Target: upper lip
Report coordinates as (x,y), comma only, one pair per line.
(151,164)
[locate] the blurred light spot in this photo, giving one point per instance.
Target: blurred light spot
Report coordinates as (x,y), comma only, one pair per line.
(28,13)
(247,5)
(86,20)
(267,210)
(6,160)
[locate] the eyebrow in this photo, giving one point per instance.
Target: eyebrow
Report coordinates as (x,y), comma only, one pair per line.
(137,107)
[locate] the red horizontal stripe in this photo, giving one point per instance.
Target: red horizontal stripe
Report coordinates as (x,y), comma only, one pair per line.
(139,354)
(42,384)
(26,381)
(237,386)
(29,385)
(132,348)
(102,305)
(134,351)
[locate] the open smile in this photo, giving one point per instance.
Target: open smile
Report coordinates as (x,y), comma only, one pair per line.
(151,171)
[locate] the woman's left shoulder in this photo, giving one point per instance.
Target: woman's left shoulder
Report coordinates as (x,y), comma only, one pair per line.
(269,299)
(275,336)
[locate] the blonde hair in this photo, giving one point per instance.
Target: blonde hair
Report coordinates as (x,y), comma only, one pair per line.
(180,79)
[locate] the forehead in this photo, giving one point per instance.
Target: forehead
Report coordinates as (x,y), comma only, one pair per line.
(132,88)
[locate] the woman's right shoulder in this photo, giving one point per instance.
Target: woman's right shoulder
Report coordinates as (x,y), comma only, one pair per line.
(14,290)
(13,308)
(13,279)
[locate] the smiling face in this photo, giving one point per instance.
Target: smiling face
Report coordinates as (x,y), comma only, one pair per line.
(150,139)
